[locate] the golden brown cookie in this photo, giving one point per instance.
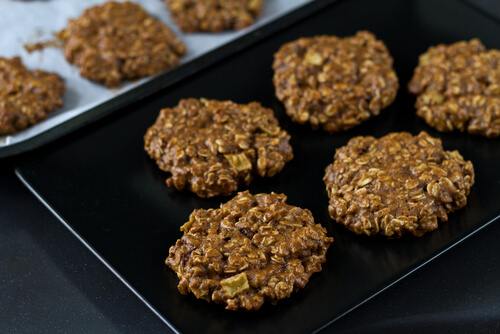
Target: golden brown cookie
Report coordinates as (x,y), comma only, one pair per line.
(458,88)
(117,41)
(334,83)
(396,185)
(26,97)
(214,15)
(252,250)
(210,146)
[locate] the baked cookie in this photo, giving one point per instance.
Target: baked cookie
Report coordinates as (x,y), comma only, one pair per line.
(26,97)
(334,83)
(214,15)
(118,41)
(458,88)
(251,250)
(210,147)
(396,185)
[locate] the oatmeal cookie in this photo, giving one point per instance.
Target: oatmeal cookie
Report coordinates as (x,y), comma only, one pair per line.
(334,83)
(118,41)
(214,15)
(211,146)
(396,185)
(458,88)
(251,250)
(26,97)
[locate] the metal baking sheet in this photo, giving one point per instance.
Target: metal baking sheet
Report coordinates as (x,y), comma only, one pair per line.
(27,22)
(103,186)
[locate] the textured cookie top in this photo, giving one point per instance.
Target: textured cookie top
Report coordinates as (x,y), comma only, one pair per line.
(334,83)
(118,41)
(458,88)
(211,146)
(214,15)
(396,185)
(26,97)
(251,250)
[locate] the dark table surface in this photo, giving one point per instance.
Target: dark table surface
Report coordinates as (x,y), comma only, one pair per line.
(50,282)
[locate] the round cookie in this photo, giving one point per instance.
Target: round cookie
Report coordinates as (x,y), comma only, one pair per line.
(334,83)
(252,250)
(458,88)
(396,185)
(26,97)
(214,15)
(117,41)
(210,146)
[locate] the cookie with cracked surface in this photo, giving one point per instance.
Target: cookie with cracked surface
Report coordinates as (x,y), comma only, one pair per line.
(334,83)
(214,15)
(396,185)
(26,97)
(117,41)
(211,146)
(251,250)
(458,88)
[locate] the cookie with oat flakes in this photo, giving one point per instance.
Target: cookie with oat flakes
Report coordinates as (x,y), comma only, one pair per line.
(253,249)
(214,15)
(396,185)
(458,88)
(26,97)
(117,41)
(334,83)
(210,146)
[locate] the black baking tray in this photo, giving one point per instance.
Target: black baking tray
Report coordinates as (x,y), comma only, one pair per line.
(102,185)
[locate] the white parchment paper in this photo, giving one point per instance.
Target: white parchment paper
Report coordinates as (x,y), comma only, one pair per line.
(24,22)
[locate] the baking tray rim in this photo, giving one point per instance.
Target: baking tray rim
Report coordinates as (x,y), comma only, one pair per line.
(385,285)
